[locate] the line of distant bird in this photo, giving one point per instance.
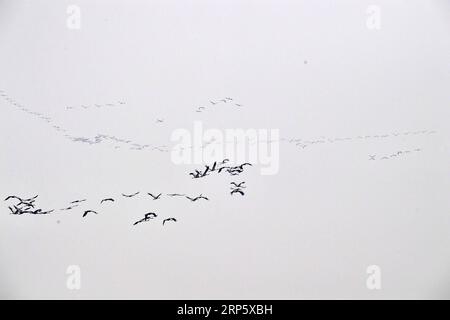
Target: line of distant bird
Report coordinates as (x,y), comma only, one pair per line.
(99,138)
(96,105)
(226,100)
(393,155)
(302,143)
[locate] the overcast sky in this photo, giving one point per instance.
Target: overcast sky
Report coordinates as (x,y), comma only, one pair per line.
(348,79)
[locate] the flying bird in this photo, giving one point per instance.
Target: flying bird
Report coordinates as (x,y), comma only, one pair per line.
(88,211)
(244,164)
(154,197)
(130,195)
(238,185)
(237,191)
(150,215)
(195,175)
(78,201)
(169,219)
(175,195)
(13,197)
(197,198)
(39,211)
(107,199)
(68,208)
(147,217)
(16,211)
(223,168)
(206,171)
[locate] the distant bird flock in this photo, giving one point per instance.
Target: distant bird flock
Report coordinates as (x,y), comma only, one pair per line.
(21,205)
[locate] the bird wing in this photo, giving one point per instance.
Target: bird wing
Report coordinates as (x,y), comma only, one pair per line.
(12,197)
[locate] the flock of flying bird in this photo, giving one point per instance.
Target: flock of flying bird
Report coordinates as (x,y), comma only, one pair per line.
(29,205)
(100,138)
(219,167)
(303,143)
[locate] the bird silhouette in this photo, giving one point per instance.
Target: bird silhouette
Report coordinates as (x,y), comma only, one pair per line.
(147,217)
(154,197)
(205,172)
(244,164)
(68,208)
(197,198)
(88,211)
(39,211)
(223,168)
(175,195)
(169,219)
(20,199)
(107,199)
(130,195)
(237,191)
(150,215)
(78,201)
(197,174)
(238,185)
(16,210)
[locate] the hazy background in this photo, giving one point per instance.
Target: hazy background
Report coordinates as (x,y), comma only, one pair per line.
(311,69)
